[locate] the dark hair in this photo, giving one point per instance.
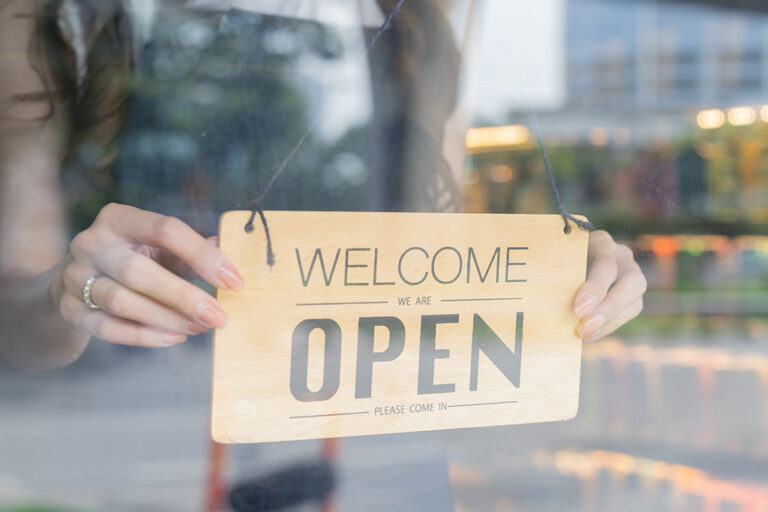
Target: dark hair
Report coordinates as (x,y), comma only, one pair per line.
(424,63)
(425,68)
(97,106)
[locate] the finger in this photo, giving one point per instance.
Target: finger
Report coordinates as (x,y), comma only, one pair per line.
(115,330)
(627,314)
(177,237)
(168,260)
(629,286)
(172,262)
(603,271)
(626,292)
(122,302)
(147,277)
(625,258)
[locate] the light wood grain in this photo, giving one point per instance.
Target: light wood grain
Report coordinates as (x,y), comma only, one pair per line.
(252,400)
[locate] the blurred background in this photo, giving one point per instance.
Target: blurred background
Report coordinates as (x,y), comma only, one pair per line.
(655,115)
(655,119)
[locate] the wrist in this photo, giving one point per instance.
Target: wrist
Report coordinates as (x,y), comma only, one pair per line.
(34,335)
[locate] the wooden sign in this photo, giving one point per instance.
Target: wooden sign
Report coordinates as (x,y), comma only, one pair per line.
(373,323)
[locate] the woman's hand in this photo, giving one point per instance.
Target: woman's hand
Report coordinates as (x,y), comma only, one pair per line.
(141,302)
(613,293)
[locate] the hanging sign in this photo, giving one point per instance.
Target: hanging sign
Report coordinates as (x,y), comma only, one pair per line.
(373,323)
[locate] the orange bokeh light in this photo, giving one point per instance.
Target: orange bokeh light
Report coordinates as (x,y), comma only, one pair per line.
(665,246)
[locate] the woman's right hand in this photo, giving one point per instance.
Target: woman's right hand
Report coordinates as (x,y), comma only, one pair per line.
(141,301)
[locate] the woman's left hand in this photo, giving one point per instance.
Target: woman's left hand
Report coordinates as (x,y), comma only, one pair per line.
(613,293)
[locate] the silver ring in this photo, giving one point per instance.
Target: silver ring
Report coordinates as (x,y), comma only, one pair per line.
(87,293)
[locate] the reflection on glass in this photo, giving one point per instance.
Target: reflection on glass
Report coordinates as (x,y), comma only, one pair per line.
(655,115)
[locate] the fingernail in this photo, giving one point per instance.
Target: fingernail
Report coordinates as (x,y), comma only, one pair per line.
(591,326)
(173,339)
(212,315)
(230,276)
(196,328)
(584,305)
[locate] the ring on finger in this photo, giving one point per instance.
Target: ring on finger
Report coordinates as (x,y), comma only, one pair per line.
(88,292)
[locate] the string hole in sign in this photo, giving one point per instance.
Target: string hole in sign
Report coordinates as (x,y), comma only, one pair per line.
(249,227)
(567,229)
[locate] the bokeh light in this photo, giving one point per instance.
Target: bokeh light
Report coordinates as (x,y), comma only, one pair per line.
(741,116)
(710,119)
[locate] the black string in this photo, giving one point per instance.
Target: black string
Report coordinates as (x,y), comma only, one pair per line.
(270,254)
(583,224)
(258,207)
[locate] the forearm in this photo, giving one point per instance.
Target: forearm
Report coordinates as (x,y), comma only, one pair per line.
(33,336)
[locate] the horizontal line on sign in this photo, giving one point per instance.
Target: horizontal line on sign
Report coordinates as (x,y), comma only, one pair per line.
(484,403)
(486,298)
(342,303)
(517,248)
(332,414)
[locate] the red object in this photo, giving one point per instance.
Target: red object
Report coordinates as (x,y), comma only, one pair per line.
(330,453)
(216,483)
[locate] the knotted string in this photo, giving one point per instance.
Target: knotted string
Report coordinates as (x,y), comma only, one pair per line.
(583,224)
(258,207)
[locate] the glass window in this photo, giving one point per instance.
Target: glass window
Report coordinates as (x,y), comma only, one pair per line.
(116,116)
